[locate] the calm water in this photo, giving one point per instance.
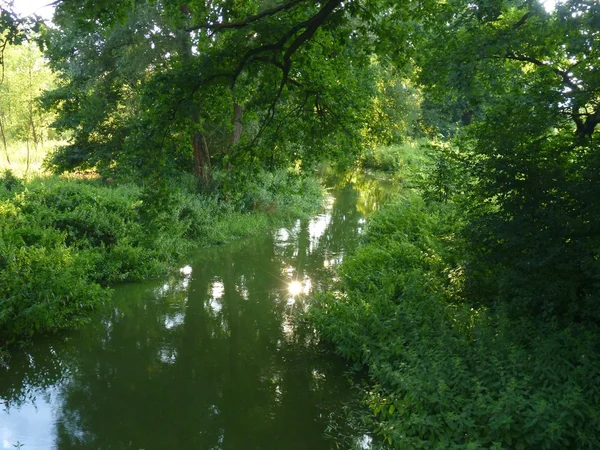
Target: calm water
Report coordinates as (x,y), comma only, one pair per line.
(210,358)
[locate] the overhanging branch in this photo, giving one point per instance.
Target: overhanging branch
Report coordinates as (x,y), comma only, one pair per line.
(585,122)
(248,20)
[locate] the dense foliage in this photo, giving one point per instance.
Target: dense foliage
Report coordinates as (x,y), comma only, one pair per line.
(474,303)
(62,241)
(191,85)
(528,80)
(443,371)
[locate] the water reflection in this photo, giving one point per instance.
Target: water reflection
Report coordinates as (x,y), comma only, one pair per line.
(210,358)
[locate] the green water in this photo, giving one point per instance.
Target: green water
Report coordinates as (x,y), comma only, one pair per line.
(210,358)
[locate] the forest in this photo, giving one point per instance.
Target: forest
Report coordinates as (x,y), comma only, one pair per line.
(133,132)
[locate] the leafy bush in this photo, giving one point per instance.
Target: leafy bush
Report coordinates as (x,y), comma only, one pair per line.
(283,192)
(443,373)
(408,156)
(63,241)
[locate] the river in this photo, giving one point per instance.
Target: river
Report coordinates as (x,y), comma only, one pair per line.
(210,358)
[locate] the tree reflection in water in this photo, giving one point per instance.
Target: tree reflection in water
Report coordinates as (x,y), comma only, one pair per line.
(208,359)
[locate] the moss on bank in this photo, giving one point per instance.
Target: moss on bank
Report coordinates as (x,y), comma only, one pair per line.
(64,242)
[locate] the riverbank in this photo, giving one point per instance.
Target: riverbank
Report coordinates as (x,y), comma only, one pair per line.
(446,369)
(220,331)
(64,241)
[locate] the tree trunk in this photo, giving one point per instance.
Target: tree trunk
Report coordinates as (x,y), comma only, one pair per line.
(202,167)
(4,139)
(30,110)
(27,164)
(238,115)
(34,134)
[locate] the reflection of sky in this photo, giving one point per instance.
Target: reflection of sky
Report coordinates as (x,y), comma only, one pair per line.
(316,228)
(168,355)
(216,291)
(242,288)
(31,424)
(174,320)
(171,288)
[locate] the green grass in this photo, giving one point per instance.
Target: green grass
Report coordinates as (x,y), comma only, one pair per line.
(24,161)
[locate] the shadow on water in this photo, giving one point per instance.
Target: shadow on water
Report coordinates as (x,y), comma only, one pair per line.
(210,358)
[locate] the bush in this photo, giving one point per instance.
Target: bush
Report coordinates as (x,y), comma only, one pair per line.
(443,373)
(63,241)
(406,157)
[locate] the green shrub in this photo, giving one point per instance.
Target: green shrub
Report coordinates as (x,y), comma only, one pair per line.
(410,156)
(63,241)
(443,373)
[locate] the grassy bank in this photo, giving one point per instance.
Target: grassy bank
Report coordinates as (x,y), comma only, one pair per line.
(445,372)
(64,241)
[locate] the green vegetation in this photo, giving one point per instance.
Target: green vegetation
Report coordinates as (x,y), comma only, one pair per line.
(24,126)
(474,303)
(392,158)
(26,160)
(444,370)
(63,241)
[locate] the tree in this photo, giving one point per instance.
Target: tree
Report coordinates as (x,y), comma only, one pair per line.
(532,149)
(161,81)
(26,76)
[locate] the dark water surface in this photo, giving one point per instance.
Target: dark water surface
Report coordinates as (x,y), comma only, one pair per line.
(209,358)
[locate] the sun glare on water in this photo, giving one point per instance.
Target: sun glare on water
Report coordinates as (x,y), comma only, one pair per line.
(295,288)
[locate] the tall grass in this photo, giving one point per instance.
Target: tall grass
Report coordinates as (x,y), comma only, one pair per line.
(26,159)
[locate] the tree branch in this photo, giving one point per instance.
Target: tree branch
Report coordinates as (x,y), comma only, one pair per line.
(564,75)
(309,26)
(584,127)
(248,20)
(522,20)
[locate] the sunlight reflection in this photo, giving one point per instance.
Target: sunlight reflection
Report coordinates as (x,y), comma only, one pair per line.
(217,289)
(295,288)
(317,228)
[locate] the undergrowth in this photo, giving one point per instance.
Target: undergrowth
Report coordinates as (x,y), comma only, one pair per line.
(63,242)
(445,372)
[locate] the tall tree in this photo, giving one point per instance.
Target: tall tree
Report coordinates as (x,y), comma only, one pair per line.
(160,81)
(532,149)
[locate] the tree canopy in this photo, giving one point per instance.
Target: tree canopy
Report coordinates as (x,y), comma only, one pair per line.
(229,83)
(151,88)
